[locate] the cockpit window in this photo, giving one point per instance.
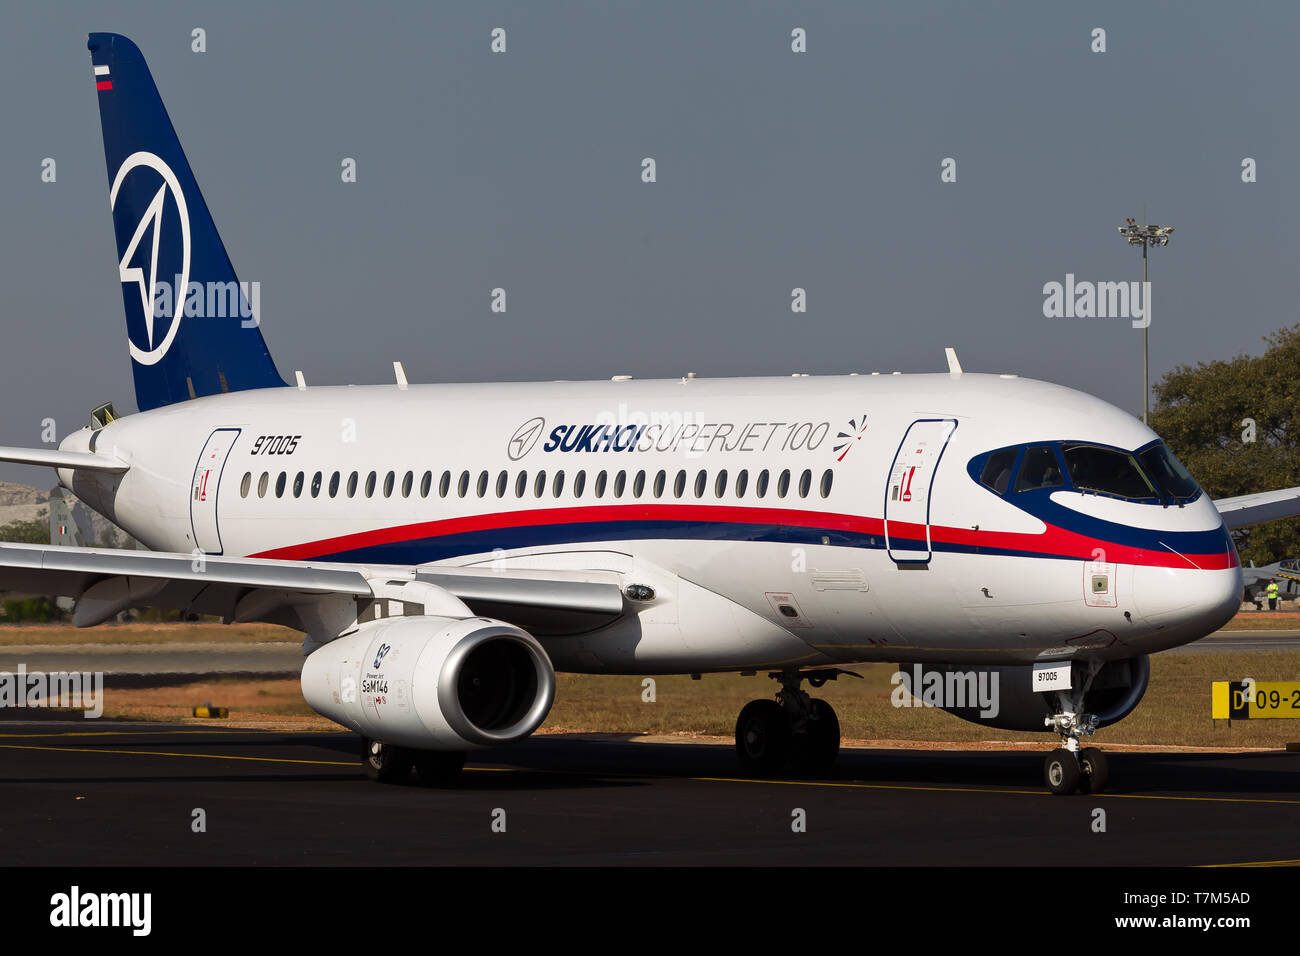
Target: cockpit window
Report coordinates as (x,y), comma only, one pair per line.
(1174,480)
(998,469)
(1107,472)
(1040,469)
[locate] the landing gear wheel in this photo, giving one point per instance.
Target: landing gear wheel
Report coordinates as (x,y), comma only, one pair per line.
(439,768)
(816,749)
(385,763)
(1061,772)
(763,737)
(1094,770)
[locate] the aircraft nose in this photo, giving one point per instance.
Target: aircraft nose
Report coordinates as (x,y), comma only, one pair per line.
(1184,604)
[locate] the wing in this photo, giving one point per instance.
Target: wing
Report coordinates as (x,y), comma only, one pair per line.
(54,458)
(1254,509)
(319,598)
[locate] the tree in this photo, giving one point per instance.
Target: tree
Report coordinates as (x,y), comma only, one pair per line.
(36,531)
(1231,424)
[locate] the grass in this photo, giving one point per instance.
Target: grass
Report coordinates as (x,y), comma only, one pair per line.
(143,632)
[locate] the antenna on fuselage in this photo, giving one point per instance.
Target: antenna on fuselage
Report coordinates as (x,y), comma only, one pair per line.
(954,366)
(401,375)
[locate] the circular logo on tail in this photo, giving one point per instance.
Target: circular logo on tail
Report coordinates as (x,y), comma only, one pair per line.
(139,262)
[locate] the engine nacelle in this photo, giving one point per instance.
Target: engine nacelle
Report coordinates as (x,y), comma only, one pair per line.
(1114,692)
(433,683)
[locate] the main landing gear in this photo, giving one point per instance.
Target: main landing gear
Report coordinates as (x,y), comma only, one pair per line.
(385,763)
(794,730)
(1070,768)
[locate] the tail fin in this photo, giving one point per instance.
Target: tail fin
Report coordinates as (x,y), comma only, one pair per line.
(189,322)
(64,529)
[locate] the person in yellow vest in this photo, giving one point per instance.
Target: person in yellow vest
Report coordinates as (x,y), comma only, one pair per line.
(1272,594)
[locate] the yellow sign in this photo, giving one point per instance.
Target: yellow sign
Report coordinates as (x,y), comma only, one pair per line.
(1242,700)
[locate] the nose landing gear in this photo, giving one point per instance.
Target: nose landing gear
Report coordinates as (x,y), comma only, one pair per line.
(794,730)
(1070,768)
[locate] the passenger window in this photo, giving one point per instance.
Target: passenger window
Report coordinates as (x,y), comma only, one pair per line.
(503,482)
(407,484)
(661,479)
(539,484)
(246,484)
(352,485)
(334,485)
(742,482)
(521,484)
(998,469)
(482,487)
(701,482)
(389,480)
(679,484)
(638,484)
(599,486)
(805,483)
(557,485)
(579,483)
(425,484)
(620,482)
(1040,469)
(444,484)
(316,480)
(262,483)
(783,484)
(760,488)
(462,486)
(298,483)
(370,484)
(279,485)
(827,477)
(720,484)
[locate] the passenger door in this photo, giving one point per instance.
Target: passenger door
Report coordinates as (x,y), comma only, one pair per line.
(203,491)
(907,494)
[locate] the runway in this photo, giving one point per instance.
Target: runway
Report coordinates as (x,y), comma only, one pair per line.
(125,794)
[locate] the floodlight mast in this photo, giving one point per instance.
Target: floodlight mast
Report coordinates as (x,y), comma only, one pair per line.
(1145,235)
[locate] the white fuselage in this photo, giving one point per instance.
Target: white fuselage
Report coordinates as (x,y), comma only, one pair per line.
(882,546)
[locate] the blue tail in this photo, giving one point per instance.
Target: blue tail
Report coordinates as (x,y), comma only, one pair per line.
(190,324)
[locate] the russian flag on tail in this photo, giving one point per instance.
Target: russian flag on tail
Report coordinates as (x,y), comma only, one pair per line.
(102,82)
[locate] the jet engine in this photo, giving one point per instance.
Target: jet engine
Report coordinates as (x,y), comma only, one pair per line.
(1003,696)
(433,683)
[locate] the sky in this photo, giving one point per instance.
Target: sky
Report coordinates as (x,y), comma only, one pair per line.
(774,170)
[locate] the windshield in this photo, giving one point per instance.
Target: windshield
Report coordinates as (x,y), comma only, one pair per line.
(1174,480)
(1107,472)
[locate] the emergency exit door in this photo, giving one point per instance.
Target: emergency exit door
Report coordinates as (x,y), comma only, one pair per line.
(203,492)
(907,494)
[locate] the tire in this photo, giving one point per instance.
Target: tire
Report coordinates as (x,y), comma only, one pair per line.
(814,751)
(763,738)
(439,768)
(385,763)
(1061,772)
(1094,770)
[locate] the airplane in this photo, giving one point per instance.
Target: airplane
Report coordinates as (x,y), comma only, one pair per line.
(446,548)
(1255,580)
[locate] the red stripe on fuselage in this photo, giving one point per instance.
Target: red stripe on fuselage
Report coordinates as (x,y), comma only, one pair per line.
(1053,542)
